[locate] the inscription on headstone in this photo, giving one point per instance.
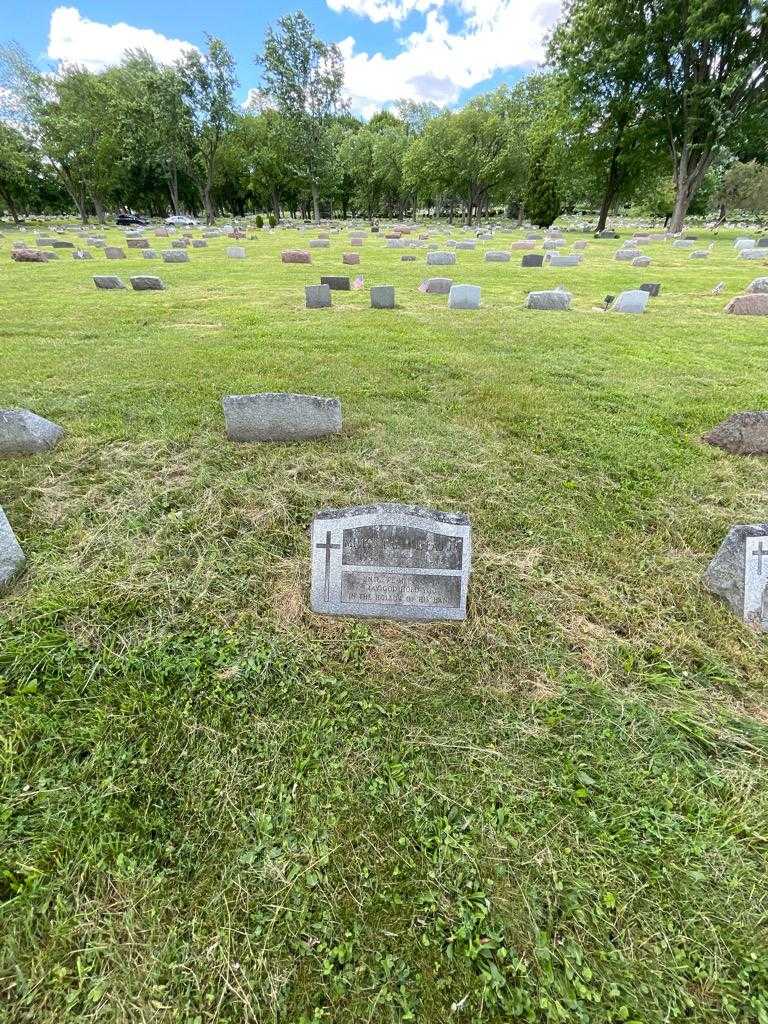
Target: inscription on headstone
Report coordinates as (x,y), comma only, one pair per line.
(391,561)
(755,581)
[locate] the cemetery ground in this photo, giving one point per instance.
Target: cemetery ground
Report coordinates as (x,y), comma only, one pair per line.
(220,807)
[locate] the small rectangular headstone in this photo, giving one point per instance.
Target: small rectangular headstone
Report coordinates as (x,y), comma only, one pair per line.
(383,296)
(653,288)
(145,283)
(335,283)
(464,296)
(440,259)
(436,286)
(317,296)
(113,252)
(532,259)
(280,416)
(137,243)
(176,256)
(497,257)
(391,561)
(107,282)
(295,256)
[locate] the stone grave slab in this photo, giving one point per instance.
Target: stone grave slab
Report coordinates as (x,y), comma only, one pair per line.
(28,256)
(25,433)
(335,282)
(550,300)
(653,288)
(175,256)
(383,296)
(440,259)
(351,259)
(146,283)
(114,252)
(464,296)
(739,573)
(532,259)
(755,304)
(280,416)
(11,556)
(758,287)
(236,252)
(107,282)
(391,561)
(436,286)
(743,433)
(497,257)
(317,296)
(633,301)
(295,256)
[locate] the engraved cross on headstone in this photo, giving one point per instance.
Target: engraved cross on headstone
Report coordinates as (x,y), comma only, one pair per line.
(755,580)
(760,553)
(328,547)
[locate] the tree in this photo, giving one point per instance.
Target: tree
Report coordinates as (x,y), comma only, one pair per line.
(18,163)
(614,142)
(697,69)
(542,201)
(745,187)
(304,77)
(209,84)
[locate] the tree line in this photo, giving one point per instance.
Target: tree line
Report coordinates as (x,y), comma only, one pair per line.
(646,102)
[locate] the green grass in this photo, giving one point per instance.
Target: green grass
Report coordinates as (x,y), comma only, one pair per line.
(218,807)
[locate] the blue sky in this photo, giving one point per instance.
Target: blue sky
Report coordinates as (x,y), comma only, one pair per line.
(441,50)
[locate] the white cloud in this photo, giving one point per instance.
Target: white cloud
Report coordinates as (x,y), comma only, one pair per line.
(73,39)
(437,64)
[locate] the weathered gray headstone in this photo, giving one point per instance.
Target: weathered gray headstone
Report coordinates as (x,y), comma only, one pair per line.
(466,245)
(437,285)
(762,243)
(280,416)
(744,243)
(29,256)
(114,252)
(24,433)
(317,296)
(464,296)
(440,259)
(11,556)
(627,255)
(682,243)
(753,254)
(107,282)
(351,259)
(383,296)
(319,243)
(633,301)
(570,260)
(743,433)
(755,304)
(150,254)
(739,573)
(532,259)
(138,243)
(82,254)
(145,283)
(236,252)
(554,300)
(641,261)
(497,257)
(391,561)
(758,286)
(175,256)
(199,243)
(335,282)
(179,243)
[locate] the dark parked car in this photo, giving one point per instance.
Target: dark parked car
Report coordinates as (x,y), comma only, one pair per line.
(124,219)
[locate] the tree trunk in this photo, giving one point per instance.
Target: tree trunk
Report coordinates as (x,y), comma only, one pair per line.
(173,186)
(520,214)
(682,202)
(276,204)
(210,215)
(98,207)
(316,202)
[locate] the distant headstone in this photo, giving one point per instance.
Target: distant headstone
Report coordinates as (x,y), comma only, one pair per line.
(236,252)
(113,252)
(753,254)
(335,282)
(280,416)
(641,261)
(319,243)
(351,259)
(550,300)
(758,286)
(436,286)
(552,243)
(199,243)
(408,259)
(317,296)
(175,256)
(24,433)
(180,243)
(356,241)
(145,283)
(606,234)
(653,289)
(464,296)
(82,254)
(137,243)
(497,257)
(150,254)
(161,232)
(295,256)
(466,245)
(755,304)
(627,255)
(762,243)
(11,556)
(699,254)
(106,282)
(744,243)
(564,260)
(532,259)
(391,561)
(525,244)
(743,433)
(579,245)
(383,296)
(440,259)
(739,573)
(59,243)
(633,301)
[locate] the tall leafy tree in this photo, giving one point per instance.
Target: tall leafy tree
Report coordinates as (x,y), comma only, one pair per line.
(209,83)
(18,167)
(304,77)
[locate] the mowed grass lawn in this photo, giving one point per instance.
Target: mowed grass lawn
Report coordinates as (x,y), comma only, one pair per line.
(219,807)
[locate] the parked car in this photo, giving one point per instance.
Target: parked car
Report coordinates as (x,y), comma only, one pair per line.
(126,219)
(181,220)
